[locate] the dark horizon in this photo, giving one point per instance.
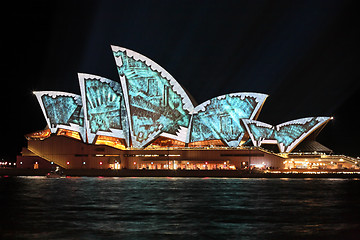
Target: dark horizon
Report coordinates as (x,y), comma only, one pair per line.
(302,54)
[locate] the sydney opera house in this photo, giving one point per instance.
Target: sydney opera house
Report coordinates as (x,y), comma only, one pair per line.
(147,120)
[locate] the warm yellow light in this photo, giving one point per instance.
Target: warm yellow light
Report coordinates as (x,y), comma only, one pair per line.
(110,141)
(69,133)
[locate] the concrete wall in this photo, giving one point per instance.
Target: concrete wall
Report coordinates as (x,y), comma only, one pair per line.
(73,154)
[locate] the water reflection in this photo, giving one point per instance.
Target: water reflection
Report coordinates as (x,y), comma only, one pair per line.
(179,208)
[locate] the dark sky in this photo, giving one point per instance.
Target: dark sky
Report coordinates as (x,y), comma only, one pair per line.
(304,54)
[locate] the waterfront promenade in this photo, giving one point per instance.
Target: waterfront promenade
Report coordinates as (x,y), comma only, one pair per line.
(295,173)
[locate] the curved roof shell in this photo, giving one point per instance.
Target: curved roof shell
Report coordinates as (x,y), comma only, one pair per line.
(287,135)
(157,105)
(62,110)
(219,117)
(104,107)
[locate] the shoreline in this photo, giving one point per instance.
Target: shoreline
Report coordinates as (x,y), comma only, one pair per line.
(7,172)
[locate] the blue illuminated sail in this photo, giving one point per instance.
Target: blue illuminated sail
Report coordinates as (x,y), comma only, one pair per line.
(157,104)
(62,110)
(287,135)
(219,117)
(104,107)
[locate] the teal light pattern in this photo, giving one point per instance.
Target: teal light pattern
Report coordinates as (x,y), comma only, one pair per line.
(105,105)
(286,133)
(155,106)
(63,110)
(289,133)
(262,132)
(221,119)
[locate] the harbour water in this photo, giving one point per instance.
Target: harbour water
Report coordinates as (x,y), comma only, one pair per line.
(179,208)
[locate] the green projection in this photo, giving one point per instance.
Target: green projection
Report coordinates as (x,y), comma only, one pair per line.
(219,118)
(104,106)
(287,135)
(63,110)
(155,105)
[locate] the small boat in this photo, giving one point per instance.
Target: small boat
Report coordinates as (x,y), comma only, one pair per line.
(55,174)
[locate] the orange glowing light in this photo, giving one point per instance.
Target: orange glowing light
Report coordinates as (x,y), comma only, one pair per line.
(68,133)
(162,142)
(207,143)
(40,135)
(111,141)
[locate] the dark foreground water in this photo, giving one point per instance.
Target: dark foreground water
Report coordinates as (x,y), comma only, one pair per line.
(178,208)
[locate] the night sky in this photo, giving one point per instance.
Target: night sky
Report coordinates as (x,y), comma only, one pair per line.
(304,54)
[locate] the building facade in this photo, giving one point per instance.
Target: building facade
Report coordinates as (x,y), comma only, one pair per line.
(148,121)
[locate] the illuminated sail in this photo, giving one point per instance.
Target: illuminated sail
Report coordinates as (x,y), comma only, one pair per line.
(219,117)
(287,135)
(62,110)
(156,103)
(104,107)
